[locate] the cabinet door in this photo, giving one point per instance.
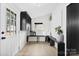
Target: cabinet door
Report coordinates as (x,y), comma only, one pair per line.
(73,28)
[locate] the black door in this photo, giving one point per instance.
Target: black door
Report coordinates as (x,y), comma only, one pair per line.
(73,29)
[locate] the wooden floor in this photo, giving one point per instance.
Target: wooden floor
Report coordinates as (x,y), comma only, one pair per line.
(37,49)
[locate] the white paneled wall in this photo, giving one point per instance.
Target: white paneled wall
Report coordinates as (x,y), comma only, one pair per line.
(32,39)
(11,45)
(58,19)
(36,39)
(55,22)
(22,38)
(42,39)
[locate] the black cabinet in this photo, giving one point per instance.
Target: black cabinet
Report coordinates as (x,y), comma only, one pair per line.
(61,49)
(72,29)
(24,18)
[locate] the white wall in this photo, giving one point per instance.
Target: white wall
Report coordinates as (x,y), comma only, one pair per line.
(0,26)
(44,29)
(11,45)
(58,19)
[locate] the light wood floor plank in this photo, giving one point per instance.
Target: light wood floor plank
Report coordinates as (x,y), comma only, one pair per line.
(38,49)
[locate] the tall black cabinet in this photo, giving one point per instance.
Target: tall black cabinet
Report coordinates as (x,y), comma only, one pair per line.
(24,19)
(73,29)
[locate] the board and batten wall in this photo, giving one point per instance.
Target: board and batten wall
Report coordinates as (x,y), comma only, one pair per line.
(11,45)
(58,19)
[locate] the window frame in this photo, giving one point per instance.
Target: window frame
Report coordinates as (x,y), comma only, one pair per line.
(8,26)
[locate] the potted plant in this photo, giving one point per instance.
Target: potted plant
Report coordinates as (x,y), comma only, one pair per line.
(60,34)
(58,30)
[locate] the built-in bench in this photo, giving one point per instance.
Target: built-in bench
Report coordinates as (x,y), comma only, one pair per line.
(35,38)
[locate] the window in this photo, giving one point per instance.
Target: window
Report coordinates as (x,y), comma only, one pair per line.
(11,21)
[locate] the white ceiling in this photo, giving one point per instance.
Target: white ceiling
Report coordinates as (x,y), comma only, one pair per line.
(38,9)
